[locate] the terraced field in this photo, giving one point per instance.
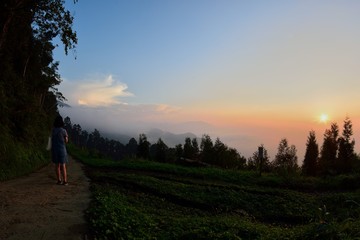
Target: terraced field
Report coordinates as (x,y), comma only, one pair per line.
(136,199)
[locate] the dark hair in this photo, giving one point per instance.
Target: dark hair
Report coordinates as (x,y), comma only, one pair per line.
(58,122)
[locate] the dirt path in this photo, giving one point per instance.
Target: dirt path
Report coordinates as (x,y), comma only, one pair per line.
(34,207)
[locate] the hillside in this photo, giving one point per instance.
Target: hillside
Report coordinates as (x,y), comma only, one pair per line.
(135,199)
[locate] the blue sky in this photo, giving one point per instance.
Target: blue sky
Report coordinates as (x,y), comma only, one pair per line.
(249,72)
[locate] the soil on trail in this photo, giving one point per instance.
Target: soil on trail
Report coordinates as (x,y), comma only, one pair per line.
(35,207)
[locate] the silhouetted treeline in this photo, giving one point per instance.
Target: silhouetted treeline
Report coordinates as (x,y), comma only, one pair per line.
(192,153)
(337,154)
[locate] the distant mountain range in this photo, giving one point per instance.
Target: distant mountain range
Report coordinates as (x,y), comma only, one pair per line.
(170,139)
(153,135)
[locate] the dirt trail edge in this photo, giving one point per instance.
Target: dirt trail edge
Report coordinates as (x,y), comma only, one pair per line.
(35,207)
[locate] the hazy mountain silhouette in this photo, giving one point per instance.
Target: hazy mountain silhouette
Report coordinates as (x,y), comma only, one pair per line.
(153,135)
(123,138)
(170,139)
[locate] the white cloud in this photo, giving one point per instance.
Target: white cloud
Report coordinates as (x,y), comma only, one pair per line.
(101,91)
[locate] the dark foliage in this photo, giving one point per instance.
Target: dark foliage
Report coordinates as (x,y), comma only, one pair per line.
(337,153)
(346,155)
(329,151)
(143,150)
(219,154)
(28,76)
(310,163)
(285,160)
(258,162)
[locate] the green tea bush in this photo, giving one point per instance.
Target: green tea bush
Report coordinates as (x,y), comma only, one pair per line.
(137,199)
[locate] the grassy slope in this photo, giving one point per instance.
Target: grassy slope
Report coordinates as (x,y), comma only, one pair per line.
(20,160)
(148,200)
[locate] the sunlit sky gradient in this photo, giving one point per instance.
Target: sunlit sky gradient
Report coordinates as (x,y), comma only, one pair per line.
(248,72)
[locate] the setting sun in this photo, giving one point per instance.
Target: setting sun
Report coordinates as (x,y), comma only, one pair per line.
(324,118)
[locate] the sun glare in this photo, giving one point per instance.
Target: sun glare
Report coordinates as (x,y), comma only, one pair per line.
(324,118)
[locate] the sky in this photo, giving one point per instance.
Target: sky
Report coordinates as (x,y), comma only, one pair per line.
(248,72)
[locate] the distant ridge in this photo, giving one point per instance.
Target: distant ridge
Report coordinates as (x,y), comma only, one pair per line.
(170,139)
(123,138)
(153,135)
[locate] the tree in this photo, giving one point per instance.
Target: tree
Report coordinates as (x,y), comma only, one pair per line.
(179,151)
(219,151)
(188,149)
(29,74)
(161,151)
(118,150)
(233,159)
(191,148)
(67,124)
(285,160)
(195,147)
(48,19)
(27,68)
(84,138)
(131,147)
(206,148)
(310,162)
(256,163)
(329,151)
(143,150)
(76,134)
(346,155)
(220,154)
(94,141)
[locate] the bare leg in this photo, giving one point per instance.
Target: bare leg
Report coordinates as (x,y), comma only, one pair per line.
(63,171)
(57,171)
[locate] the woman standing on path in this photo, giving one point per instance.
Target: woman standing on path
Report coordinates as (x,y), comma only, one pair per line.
(59,138)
